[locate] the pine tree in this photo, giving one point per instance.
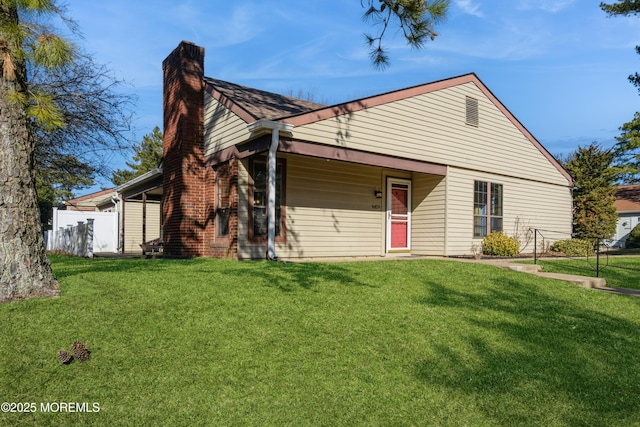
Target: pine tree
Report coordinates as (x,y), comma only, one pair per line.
(628,146)
(625,8)
(24,269)
(594,215)
(627,150)
(148,155)
(56,179)
(416,18)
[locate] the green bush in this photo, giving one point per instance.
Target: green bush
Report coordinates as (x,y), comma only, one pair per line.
(497,243)
(573,247)
(633,241)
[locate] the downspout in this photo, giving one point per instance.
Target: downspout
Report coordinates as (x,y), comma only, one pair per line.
(275,128)
(115,199)
(271,195)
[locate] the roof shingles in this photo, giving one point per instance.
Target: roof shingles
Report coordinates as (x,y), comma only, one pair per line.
(261,104)
(627,198)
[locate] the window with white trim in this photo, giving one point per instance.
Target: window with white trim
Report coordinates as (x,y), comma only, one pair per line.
(258,220)
(487,208)
(223,200)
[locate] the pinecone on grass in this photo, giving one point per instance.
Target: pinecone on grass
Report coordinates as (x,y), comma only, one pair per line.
(80,351)
(65,357)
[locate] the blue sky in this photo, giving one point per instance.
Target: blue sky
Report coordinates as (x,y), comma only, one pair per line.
(560,66)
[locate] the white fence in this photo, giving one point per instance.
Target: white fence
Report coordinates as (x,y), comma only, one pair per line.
(74,239)
(104,233)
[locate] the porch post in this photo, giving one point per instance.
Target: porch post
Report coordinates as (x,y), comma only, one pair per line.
(275,128)
(271,194)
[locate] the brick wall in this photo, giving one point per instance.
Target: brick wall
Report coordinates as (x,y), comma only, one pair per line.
(188,185)
(185,183)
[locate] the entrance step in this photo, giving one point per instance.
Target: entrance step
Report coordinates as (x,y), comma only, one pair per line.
(585,282)
(525,268)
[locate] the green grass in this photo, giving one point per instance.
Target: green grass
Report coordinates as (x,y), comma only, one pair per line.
(214,342)
(619,271)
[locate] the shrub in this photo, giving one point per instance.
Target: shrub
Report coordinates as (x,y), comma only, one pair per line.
(573,247)
(497,243)
(633,241)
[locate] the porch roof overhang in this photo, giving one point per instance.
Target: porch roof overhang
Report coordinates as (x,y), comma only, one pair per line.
(150,183)
(329,152)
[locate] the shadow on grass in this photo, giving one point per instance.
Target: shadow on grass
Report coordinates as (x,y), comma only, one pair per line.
(283,276)
(67,266)
(288,277)
(527,351)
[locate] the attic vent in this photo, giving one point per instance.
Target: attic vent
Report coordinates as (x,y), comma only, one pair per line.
(472,118)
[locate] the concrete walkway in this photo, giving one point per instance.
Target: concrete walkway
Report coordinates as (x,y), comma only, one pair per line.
(597,283)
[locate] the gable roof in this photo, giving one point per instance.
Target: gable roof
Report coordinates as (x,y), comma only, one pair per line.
(254,104)
(88,201)
(628,198)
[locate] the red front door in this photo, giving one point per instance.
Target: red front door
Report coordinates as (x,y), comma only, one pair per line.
(398,215)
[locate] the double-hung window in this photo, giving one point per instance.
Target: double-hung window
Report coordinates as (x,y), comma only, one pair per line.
(258,220)
(223,200)
(487,208)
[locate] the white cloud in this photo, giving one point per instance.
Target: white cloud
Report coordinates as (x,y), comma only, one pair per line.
(468,7)
(551,6)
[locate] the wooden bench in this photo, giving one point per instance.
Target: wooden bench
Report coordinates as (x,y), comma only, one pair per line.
(152,248)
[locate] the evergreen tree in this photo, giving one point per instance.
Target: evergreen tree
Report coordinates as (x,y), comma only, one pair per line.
(148,155)
(416,18)
(594,215)
(627,151)
(56,180)
(625,8)
(24,39)
(628,146)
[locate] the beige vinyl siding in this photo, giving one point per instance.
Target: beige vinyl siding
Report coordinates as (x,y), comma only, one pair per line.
(431,127)
(535,204)
(223,129)
(133,224)
(331,210)
(428,216)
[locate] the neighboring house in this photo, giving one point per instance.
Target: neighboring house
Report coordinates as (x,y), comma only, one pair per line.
(628,206)
(426,170)
(88,202)
(138,203)
(80,209)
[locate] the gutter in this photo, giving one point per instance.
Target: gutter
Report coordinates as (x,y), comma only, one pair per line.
(274,128)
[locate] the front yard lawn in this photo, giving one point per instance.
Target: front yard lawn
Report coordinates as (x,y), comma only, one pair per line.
(214,342)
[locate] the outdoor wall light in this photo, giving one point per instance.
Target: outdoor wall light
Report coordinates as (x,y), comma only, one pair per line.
(378,194)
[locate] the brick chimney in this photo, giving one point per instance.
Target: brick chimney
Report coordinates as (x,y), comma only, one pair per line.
(184,174)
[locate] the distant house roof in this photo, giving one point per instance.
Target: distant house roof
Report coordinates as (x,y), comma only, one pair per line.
(628,198)
(87,202)
(253,104)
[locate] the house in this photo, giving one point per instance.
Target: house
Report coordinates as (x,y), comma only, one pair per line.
(69,218)
(88,202)
(426,170)
(138,202)
(628,206)
(135,208)
(138,205)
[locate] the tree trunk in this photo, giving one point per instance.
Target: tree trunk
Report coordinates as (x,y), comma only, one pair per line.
(25,271)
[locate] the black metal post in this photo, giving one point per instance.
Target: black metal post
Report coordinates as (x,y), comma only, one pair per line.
(535,246)
(597,257)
